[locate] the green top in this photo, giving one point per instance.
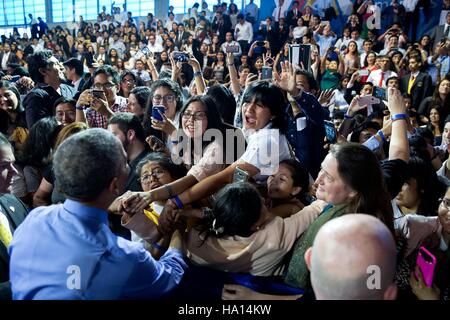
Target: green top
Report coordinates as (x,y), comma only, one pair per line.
(298,273)
(330,80)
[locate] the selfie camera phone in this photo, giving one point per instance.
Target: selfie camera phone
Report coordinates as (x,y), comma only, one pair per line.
(330,131)
(266,73)
(98,93)
(180,57)
(368,100)
(232,49)
(426,263)
(240,175)
(156,112)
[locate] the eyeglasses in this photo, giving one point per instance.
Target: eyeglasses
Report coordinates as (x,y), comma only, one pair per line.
(157,173)
(169,98)
(132,81)
(101,86)
(445,202)
(198,115)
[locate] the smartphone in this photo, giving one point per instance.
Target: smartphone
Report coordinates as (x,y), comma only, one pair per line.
(368,100)
(330,131)
(232,49)
(98,93)
(156,112)
(426,263)
(363,73)
(379,93)
(240,175)
(266,73)
(180,56)
(15,78)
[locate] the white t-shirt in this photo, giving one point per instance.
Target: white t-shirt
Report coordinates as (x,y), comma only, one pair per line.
(266,147)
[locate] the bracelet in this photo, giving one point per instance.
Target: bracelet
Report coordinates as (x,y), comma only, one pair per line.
(79,107)
(400,116)
(169,190)
(381,134)
(347,116)
(157,246)
(197,74)
(178,202)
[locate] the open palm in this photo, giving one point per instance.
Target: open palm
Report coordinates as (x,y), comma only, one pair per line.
(286,80)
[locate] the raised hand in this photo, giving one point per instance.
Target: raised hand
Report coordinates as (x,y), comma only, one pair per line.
(396,103)
(325,97)
(286,80)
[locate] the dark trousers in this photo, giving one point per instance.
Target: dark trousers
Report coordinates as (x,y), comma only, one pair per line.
(244,46)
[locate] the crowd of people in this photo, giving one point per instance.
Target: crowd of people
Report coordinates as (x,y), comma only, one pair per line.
(166,158)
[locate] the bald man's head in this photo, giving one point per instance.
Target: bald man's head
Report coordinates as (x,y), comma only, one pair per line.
(353,257)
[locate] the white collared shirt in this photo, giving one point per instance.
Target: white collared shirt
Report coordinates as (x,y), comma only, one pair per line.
(244,32)
(5,60)
(265,150)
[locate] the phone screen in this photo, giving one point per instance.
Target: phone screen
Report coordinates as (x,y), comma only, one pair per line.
(240,175)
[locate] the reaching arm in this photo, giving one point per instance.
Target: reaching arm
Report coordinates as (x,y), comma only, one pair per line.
(198,75)
(399,147)
(235,87)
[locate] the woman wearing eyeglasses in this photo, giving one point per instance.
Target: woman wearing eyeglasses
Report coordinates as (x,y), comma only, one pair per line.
(167,93)
(155,170)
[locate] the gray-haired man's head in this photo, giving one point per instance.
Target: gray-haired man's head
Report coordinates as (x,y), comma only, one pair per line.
(87,163)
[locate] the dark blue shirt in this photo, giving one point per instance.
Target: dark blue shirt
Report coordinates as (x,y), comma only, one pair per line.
(67,251)
(306,132)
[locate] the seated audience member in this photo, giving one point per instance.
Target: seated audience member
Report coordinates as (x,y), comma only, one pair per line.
(12,213)
(91,169)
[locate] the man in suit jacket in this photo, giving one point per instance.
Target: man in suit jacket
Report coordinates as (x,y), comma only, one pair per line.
(12,213)
(182,35)
(221,25)
(416,84)
(440,32)
(7,57)
(102,55)
(293,15)
(80,54)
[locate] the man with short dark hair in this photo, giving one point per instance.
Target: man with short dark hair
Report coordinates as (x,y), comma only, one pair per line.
(417,84)
(76,256)
(74,72)
(128,129)
(48,74)
(97,109)
(65,111)
(7,57)
(243,33)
